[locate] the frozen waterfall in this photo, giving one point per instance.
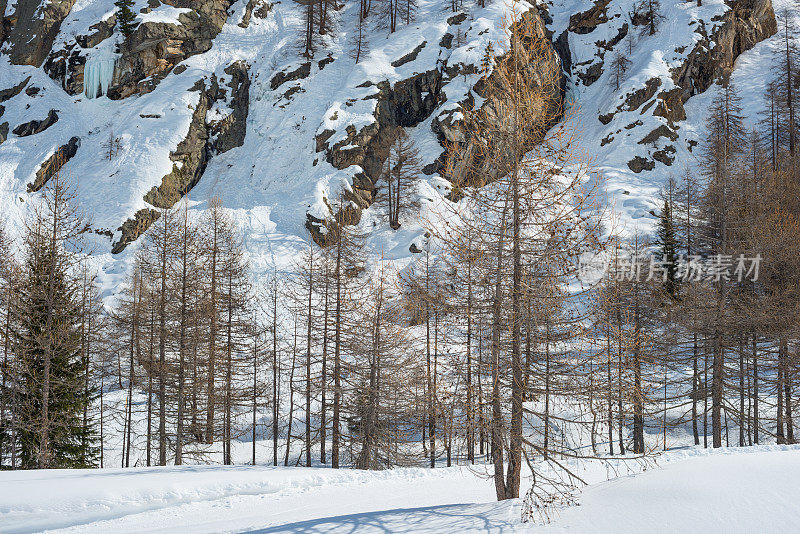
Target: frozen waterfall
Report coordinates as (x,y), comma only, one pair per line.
(98,73)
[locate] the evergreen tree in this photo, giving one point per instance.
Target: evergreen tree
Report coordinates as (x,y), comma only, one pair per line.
(125,16)
(51,391)
(667,245)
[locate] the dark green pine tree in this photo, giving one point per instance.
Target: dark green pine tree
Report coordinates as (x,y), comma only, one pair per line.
(125,16)
(51,366)
(667,247)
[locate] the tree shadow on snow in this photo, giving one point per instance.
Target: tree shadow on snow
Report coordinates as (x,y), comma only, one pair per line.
(444,518)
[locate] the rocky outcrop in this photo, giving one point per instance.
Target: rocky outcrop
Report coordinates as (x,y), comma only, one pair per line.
(409,102)
(133,228)
(229,131)
(66,64)
(587,21)
(290,75)
(209,134)
(8,94)
(33,28)
(544,77)
(149,53)
(747,23)
(49,168)
(154,48)
(34,127)
(404,104)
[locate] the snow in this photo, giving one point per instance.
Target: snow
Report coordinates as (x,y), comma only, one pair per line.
(164,14)
(729,490)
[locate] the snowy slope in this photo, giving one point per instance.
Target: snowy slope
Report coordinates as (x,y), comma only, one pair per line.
(273,180)
(277,176)
(730,490)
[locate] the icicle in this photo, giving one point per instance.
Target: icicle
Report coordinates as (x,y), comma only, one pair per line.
(98,73)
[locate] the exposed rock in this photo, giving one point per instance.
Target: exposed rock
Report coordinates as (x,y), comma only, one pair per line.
(154,48)
(8,94)
(409,102)
(592,74)
(324,62)
(3,132)
(207,136)
(34,127)
(303,71)
(230,132)
(655,135)
(406,103)
(263,10)
(35,27)
(543,74)
(3,29)
(588,20)
(248,13)
(133,228)
(457,19)
(621,34)
(665,155)
(190,157)
(411,56)
(54,163)
(446,41)
(639,164)
(66,65)
(670,105)
(640,96)
(748,22)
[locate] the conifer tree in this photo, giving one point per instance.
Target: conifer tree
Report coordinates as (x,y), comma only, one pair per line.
(667,244)
(51,394)
(125,16)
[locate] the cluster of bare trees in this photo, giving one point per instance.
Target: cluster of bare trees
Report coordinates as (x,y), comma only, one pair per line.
(716,354)
(186,337)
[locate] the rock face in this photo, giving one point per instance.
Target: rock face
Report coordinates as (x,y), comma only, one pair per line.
(66,64)
(154,48)
(148,54)
(33,28)
(544,78)
(710,59)
(409,102)
(747,23)
(208,135)
(405,104)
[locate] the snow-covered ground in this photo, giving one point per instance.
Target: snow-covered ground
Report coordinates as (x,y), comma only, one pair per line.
(693,490)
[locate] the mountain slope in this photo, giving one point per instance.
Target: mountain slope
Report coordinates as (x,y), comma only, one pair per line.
(213,98)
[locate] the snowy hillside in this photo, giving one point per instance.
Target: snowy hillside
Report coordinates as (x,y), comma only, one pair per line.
(233,110)
(731,491)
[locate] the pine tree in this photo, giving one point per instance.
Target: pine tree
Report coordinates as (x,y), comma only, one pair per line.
(125,16)
(51,391)
(667,244)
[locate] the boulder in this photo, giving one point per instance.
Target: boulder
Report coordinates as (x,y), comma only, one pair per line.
(34,127)
(49,168)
